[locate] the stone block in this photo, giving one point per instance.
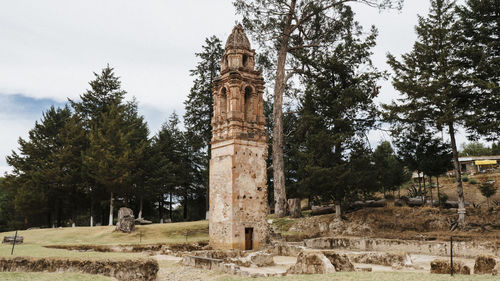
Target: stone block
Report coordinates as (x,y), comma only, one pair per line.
(484,265)
(311,263)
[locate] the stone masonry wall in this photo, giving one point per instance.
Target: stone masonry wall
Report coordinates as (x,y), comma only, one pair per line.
(238,193)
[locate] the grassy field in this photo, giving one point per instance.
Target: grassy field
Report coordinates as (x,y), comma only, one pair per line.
(34,240)
(98,235)
(16,276)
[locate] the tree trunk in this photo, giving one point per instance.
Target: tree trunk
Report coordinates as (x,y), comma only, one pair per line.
(439,193)
(59,213)
(160,207)
(430,189)
(338,210)
(419,183)
(49,217)
(91,214)
(185,209)
(279,89)
(140,208)
(458,177)
(111,201)
(170,210)
(425,191)
(294,207)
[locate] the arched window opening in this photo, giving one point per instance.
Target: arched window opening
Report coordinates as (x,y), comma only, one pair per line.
(248,104)
(245,60)
(223,101)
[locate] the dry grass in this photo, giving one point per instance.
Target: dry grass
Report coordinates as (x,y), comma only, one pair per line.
(154,233)
(34,240)
(471,191)
(369,276)
(16,276)
(423,223)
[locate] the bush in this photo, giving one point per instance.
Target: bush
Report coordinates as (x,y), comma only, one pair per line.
(488,189)
(389,196)
(473,181)
(443,197)
(414,192)
(465,178)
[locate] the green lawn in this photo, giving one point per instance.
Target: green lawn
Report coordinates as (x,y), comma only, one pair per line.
(38,276)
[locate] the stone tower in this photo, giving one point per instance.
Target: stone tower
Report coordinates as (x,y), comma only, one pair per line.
(238,192)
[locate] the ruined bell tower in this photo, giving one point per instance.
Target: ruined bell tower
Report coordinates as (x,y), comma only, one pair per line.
(238,192)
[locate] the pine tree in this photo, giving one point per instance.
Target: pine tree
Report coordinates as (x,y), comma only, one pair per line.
(420,151)
(167,175)
(139,143)
(199,104)
(44,181)
(285,30)
(428,80)
(479,51)
(390,173)
(109,158)
(335,113)
(117,138)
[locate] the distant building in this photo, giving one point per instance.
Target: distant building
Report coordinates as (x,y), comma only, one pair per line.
(478,164)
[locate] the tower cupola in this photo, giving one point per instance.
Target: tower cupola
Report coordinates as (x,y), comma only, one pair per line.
(238,52)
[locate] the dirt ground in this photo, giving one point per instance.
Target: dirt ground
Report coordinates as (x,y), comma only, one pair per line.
(471,191)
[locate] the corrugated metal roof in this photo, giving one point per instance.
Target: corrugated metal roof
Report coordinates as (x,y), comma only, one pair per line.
(474,158)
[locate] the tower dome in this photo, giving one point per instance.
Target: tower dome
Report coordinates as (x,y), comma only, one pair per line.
(238,39)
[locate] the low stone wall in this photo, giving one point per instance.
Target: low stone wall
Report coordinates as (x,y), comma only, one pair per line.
(220,265)
(159,247)
(437,248)
(126,270)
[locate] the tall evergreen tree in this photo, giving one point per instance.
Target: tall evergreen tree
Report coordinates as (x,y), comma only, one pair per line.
(428,80)
(479,52)
(285,30)
(109,158)
(335,112)
(436,160)
(168,169)
(199,104)
(390,171)
(43,172)
(117,138)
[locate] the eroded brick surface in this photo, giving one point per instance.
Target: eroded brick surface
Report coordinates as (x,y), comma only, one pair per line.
(238,193)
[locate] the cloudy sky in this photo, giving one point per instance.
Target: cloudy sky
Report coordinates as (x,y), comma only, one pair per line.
(50,49)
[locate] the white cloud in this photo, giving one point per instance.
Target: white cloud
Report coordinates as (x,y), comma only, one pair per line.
(50,48)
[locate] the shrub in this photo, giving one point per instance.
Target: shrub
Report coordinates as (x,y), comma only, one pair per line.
(389,196)
(443,197)
(465,178)
(488,189)
(473,181)
(414,192)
